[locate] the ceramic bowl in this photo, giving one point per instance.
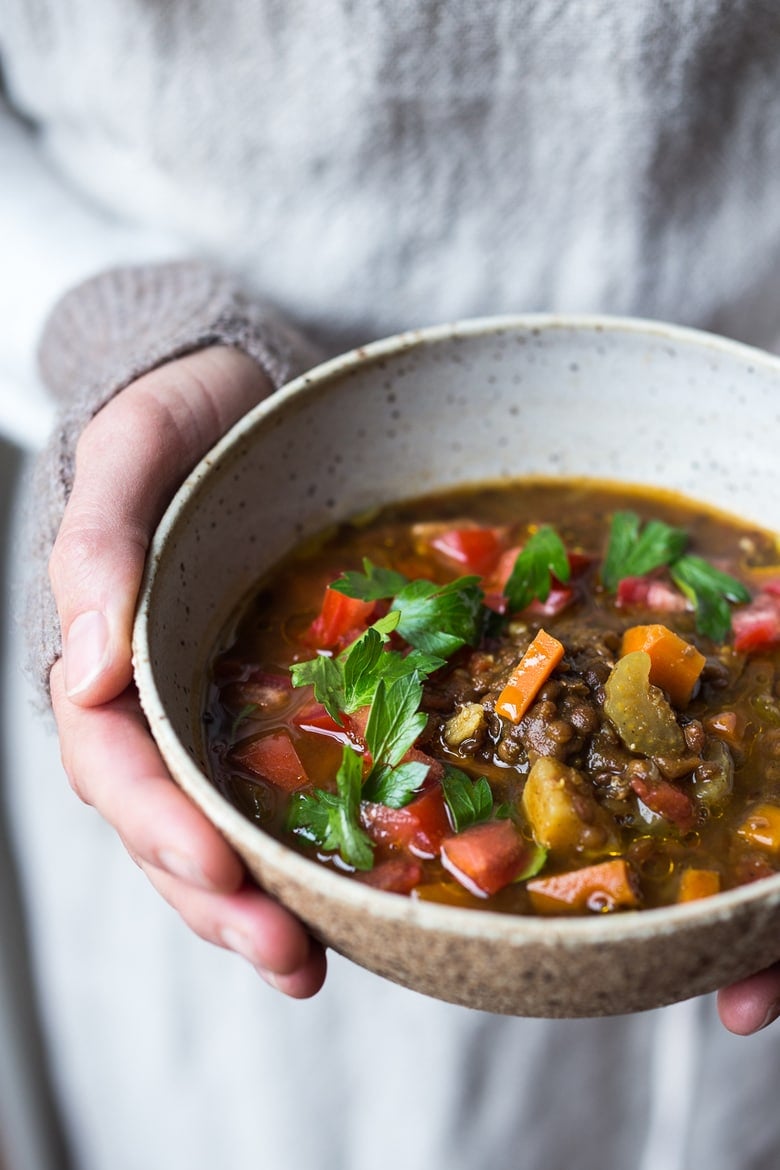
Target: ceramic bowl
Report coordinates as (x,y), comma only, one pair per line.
(625,399)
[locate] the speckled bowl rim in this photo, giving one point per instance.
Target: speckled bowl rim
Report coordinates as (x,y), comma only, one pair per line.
(566,932)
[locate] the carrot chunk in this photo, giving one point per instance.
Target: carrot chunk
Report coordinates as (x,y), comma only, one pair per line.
(529,676)
(762,828)
(610,885)
(697,883)
(675,665)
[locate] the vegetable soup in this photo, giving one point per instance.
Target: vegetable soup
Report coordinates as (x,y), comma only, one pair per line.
(544,697)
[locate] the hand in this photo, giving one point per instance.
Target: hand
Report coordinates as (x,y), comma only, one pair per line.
(751,1004)
(129,461)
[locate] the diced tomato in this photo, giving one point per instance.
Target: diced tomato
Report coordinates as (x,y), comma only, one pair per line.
(578,562)
(757,626)
(419,828)
(561,594)
(557,600)
(340,621)
(496,581)
(475,550)
(316,720)
(667,801)
(435,767)
(358,720)
(398,875)
(650,593)
(274,758)
(486,857)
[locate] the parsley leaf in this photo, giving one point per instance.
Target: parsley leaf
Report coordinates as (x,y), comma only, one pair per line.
(469,801)
(536,862)
(439,619)
(395,720)
(542,557)
(373,584)
(710,590)
(634,551)
(332,820)
(395,787)
(349,682)
(326,676)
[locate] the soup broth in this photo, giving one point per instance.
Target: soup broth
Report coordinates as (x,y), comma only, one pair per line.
(542,697)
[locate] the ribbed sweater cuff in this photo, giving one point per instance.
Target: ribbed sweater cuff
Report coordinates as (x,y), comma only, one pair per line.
(101,336)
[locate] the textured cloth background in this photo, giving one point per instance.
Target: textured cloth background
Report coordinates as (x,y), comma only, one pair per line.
(366,167)
(379,165)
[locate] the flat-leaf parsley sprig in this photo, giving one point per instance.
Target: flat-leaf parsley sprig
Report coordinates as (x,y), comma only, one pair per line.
(542,557)
(634,551)
(435,620)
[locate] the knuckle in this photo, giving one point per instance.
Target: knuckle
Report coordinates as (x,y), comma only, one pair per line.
(75,551)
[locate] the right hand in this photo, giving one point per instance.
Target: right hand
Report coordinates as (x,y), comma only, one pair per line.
(129,461)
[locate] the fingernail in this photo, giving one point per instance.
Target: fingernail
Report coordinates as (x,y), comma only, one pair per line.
(181,866)
(269,977)
(86,651)
(235,940)
(771,1016)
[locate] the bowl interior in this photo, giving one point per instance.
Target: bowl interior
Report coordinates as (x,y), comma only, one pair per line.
(620,400)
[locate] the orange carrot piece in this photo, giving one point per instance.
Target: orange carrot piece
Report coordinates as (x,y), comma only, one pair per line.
(610,885)
(698,883)
(529,676)
(675,665)
(762,828)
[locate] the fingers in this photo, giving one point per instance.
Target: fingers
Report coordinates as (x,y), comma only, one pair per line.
(113,764)
(129,461)
(752,1004)
(254,926)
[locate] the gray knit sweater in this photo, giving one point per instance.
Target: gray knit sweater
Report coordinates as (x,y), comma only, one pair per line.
(366,167)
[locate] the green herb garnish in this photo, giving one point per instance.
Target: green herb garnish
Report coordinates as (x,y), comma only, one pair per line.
(395,720)
(710,591)
(373,584)
(542,558)
(536,863)
(469,801)
(348,682)
(634,551)
(437,619)
(332,820)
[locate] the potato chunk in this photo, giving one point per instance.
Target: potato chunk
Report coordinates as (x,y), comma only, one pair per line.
(563,813)
(467,723)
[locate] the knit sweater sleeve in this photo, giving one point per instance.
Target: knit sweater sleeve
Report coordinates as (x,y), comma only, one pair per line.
(101,336)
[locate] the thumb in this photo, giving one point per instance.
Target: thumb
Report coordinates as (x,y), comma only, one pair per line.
(129,461)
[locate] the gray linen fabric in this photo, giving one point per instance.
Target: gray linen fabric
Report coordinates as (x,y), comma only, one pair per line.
(367,167)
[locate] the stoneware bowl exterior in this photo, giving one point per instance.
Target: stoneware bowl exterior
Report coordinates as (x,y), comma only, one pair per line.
(611,398)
